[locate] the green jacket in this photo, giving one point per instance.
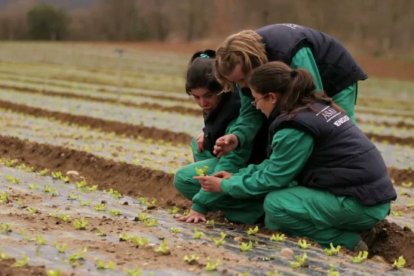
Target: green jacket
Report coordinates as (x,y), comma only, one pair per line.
(291,149)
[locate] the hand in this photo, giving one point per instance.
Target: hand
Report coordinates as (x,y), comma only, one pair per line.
(192,217)
(225,144)
(223,174)
(200,142)
(210,183)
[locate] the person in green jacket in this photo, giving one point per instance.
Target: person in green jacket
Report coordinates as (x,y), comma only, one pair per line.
(323,178)
(331,65)
(220,111)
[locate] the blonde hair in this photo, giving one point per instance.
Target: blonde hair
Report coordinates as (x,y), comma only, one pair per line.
(245,48)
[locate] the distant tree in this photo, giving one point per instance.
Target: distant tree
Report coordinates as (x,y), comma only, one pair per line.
(46,22)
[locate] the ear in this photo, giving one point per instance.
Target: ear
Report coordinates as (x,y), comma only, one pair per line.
(274,97)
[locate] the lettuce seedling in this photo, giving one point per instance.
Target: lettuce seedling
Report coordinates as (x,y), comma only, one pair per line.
(39,240)
(220,241)
(361,257)
(4,197)
(24,261)
(61,247)
(139,241)
(252,231)
(244,246)
(5,228)
(12,179)
(78,257)
(175,230)
(100,207)
(303,244)
(399,263)
(211,265)
(52,272)
(101,265)
(80,224)
(43,172)
(163,248)
(279,237)
(197,234)
(332,250)
(114,212)
(201,171)
(191,259)
(133,272)
(300,261)
(273,273)
(174,210)
(332,271)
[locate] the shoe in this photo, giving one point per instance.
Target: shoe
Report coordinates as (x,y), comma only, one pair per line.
(360,246)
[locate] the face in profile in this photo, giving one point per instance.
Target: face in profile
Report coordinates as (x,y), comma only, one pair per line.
(206,99)
(238,76)
(264,102)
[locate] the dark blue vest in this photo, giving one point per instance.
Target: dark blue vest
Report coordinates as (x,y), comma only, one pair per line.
(336,66)
(343,160)
(216,121)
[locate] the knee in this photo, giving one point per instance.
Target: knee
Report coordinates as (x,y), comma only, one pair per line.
(272,204)
(181,179)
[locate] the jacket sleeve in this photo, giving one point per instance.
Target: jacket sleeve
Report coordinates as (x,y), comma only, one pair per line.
(235,159)
(304,59)
(248,122)
(291,149)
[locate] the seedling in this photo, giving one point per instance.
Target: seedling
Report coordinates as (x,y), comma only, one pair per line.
(138,241)
(211,265)
(149,203)
(133,272)
(163,248)
(80,224)
(220,241)
(399,263)
(81,184)
(124,237)
(61,247)
(114,193)
(114,213)
(197,234)
(174,210)
(175,230)
(60,176)
(273,273)
(89,189)
(39,240)
(142,217)
(100,232)
(101,265)
(332,250)
(33,187)
(4,256)
(210,223)
(25,168)
(252,231)
(246,246)
(279,237)
(5,228)
(52,272)
(300,261)
(32,210)
(10,163)
(73,197)
(332,271)
(243,274)
(201,171)
(12,179)
(100,207)
(150,222)
(303,244)
(361,257)
(24,261)
(47,189)
(4,197)
(43,172)
(191,259)
(64,217)
(78,257)
(85,203)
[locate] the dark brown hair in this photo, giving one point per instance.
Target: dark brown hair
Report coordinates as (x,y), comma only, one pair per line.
(295,85)
(200,72)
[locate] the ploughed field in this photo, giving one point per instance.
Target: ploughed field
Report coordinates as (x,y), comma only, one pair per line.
(90,140)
